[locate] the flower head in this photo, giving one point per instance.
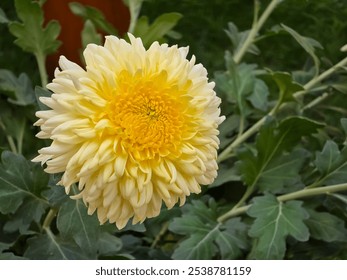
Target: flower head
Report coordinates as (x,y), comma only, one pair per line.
(134,129)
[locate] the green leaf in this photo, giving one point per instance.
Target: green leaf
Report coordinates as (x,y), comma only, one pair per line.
(74,223)
(90,35)
(205,237)
(3,17)
(325,226)
(198,246)
(269,158)
(282,172)
(308,44)
(95,16)
(21,179)
(29,211)
(108,244)
(158,29)
(225,174)
(227,130)
(274,221)
(286,85)
(238,38)
(325,160)
(49,247)
(241,82)
(233,239)
(30,34)
(41,92)
(259,96)
(332,164)
(19,90)
(55,195)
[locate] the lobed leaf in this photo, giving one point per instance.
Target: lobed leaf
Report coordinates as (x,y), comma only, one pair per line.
(205,237)
(49,247)
(325,226)
(20,179)
(233,239)
(308,44)
(332,164)
(269,166)
(19,90)
(30,34)
(74,223)
(274,221)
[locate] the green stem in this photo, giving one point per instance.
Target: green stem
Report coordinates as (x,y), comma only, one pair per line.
(257,24)
(41,62)
(9,138)
(49,218)
(245,196)
(316,101)
(160,234)
(227,152)
(321,77)
(291,196)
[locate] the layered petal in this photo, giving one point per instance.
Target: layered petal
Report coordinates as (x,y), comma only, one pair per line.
(135,129)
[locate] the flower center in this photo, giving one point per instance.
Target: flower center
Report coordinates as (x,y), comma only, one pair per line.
(147,115)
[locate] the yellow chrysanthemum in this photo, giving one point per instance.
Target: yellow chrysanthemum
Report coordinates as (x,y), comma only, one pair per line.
(136,128)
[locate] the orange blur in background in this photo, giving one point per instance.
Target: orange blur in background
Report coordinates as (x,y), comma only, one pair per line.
(114,11)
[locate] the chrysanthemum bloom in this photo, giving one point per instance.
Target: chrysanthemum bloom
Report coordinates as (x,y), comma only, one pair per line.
(136,128)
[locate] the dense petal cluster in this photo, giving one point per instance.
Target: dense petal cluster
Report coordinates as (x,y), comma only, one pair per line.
(134,129)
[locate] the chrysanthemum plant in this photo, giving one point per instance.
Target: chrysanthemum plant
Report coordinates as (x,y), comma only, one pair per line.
(144,155)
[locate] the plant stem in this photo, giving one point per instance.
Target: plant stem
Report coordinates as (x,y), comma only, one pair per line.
(160,234)
(321,77)
(257,24)
(41,61)
(291,196)
(316,101)
(49,218)
(9,139)
(226,153)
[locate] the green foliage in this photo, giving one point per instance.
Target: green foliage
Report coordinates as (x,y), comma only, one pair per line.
(21,180)
(89,34)
(3,17)
(74,223)
(282,181)
(157,29)
(307,43)
(270,166)
(19,90)
(30,34)
(332,164)
(206,237)
(94,16)
(327,227)
(274,222)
